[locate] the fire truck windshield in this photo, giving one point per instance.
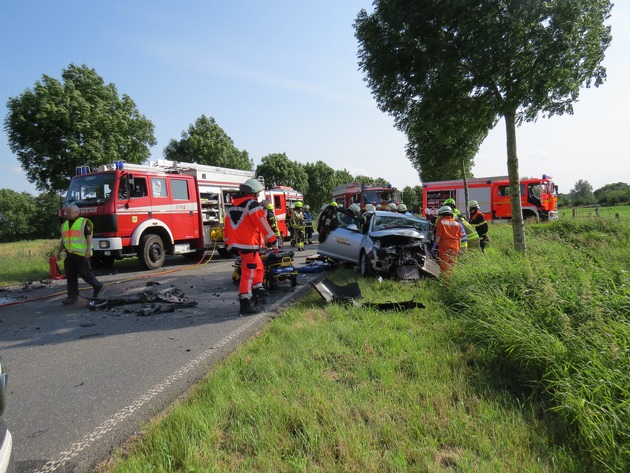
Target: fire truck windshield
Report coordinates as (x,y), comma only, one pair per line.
(91,189)
(379,196)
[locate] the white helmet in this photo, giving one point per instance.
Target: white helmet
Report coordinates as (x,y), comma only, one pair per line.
(445,210)
(251,186)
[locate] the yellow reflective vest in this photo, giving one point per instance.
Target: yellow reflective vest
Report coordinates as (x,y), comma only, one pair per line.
(73,236)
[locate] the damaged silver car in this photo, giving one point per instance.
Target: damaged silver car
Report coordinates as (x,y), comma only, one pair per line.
(379,242)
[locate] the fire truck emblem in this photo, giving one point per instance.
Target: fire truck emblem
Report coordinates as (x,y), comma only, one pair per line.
(134,219)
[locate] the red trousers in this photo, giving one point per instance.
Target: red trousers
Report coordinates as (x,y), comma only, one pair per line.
(252,274)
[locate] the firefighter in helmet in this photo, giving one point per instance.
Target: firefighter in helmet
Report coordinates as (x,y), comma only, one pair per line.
(402,209)
(246,230)
(308,224)
(448,233)
(478,221)
(273,223)
(297,223)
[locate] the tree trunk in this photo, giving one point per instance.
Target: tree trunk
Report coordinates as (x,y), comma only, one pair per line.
(515,189)
(466,212)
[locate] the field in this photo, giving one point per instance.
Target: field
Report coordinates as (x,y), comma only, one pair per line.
(518,363)
(26,261)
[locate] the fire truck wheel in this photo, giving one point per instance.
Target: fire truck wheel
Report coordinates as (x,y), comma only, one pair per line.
(365,266)
(151,252)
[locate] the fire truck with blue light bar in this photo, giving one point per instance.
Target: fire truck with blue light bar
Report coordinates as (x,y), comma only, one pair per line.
(539,197)
(154,209)
(357,193)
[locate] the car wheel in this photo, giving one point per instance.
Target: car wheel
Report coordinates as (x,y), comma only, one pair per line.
(365,266)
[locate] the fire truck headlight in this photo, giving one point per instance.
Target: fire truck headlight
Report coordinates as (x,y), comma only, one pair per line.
(103,244)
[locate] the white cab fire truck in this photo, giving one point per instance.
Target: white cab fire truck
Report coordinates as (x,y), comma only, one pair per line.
(154,209)
(539,197)
(347,194)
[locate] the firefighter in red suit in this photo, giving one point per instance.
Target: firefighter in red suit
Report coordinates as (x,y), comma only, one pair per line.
(448,233)
(246,231)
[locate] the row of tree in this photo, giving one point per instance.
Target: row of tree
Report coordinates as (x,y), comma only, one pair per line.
(608,195)
(446,72)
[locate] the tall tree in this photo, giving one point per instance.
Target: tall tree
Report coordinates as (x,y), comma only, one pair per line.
(205,142)
(16,214)
(516,58)
(582,193)
(412,198)
(278,169)
(321,181)
(343,177)
(59,125)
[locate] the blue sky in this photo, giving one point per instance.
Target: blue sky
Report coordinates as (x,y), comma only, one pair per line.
(282,76)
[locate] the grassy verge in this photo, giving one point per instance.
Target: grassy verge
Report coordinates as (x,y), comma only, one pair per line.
(554,327)
(518,363)
(25,261)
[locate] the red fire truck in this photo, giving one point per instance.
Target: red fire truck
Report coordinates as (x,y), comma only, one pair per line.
(151,210)
(355,192)
(539,197)
(283,199)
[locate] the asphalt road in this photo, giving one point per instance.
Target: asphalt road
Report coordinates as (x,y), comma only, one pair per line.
(83,381)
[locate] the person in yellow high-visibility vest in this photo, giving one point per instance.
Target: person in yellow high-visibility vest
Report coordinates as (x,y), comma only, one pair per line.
(76,240)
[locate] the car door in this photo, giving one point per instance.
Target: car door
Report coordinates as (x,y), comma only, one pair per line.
(344,242)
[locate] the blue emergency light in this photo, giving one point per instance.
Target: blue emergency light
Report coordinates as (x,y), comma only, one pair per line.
(81,170)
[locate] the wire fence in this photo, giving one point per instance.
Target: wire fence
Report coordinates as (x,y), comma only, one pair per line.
(595,211)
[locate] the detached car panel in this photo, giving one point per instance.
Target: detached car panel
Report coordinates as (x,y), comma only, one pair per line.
(379,242)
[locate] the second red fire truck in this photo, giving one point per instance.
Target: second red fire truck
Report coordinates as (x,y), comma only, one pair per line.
(539,197)
(355,192)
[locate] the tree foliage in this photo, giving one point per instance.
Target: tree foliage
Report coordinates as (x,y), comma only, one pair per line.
(343,176)
(412,198)
(59,125)
(27,217)
(514,59)
(321,181)
(205,142)
(278,169)
(613,194)
(15,214)
(582,193)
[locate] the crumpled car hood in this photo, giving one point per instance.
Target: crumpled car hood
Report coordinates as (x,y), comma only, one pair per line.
(401,232)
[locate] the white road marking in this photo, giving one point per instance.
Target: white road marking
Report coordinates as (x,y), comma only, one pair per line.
(108,425)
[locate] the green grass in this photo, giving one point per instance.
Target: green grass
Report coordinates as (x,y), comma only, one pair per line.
(518,363)
(26,261)
(606,213)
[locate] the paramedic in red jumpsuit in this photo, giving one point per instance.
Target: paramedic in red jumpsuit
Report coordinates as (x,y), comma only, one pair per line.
(246,231)
(448,233)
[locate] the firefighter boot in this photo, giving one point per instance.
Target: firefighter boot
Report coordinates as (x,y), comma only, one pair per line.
(260,295)
(247,307)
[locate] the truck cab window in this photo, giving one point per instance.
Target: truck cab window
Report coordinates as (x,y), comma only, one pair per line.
(140,188)
(158,186)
